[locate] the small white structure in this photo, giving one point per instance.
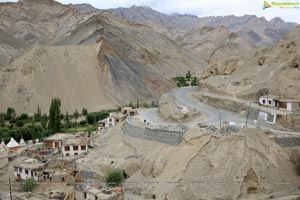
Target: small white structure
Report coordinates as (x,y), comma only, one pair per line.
(267,101)
(74,146)
(22,143)
(25,168)
(13,145)
(86,192)
(279,103)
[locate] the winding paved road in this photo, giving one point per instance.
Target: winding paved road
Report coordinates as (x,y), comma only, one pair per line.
(214,114)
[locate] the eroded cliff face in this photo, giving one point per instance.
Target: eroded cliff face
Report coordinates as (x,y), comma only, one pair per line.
(247,165)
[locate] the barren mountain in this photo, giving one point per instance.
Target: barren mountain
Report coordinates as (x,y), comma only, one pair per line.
(214,43)
(257,31)
(273,70)
(93,60)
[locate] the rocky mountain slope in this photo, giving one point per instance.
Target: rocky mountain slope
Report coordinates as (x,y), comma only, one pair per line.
(273,70)
(88,59)
(214,44)
(257,31)
(245,165)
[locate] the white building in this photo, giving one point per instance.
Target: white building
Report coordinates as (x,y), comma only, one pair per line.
(13,145)
(25,168)
(74,146)
(267,100)
(279,103)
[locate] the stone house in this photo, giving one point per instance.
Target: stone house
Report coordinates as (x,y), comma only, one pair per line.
(87,192)
(25,168)
(74,146)
(280,103)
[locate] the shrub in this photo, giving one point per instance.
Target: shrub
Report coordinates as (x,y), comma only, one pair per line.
(29,185)
(114,178)
(24,116)
(83,122)
(19,123)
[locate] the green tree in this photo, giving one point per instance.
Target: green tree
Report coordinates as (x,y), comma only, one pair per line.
(19,123)
(297,168)
(38,112)
(194,81)
(67,121)
(10,114)
(114,178)
(84,111)
(90,118)
(24,116)
(44,121)
(188,75)
(2,121)
(76,114)
(29,185)
(54,115)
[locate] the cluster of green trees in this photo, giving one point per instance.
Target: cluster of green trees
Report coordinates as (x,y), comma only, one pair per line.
(42,125)
(188,79)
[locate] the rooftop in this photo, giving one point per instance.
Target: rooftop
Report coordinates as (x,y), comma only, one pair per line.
(30,196)
(75,141)
(95,191)
(59,136)
(28,163)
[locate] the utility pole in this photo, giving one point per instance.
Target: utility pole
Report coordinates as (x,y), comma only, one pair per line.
(248,114)
(220,122)
(10,189)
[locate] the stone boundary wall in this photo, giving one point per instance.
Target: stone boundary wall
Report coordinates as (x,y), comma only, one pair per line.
(158,135)
(288,141)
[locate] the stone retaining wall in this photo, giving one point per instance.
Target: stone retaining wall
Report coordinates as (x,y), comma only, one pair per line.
(163,136)
(290,141)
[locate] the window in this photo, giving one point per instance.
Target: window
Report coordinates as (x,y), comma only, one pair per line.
(67,148)
(270,102)
(32,173)
(264,101)
(110,120)
(96,198)
(67,154)
(75,148)
(83,147)
(26,171)
(20,170)
(76,154)
(16,169)
(84,195)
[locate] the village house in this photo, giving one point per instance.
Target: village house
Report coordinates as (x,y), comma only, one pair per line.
(56,140)
(116,118)
(74,146)
(128,111)
(87,192)
(31,196)
(280,103)
(25,168)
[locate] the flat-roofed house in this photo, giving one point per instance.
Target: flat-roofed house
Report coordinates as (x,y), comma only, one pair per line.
(74,146)
(25,168)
